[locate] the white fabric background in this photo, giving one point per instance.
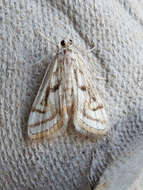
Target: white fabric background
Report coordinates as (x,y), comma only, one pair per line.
(115,28)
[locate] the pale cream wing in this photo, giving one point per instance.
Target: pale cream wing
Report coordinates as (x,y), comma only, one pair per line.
(48,113)
(90,115)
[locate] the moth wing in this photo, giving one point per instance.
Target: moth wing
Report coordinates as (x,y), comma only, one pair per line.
(90,115)
(48,113)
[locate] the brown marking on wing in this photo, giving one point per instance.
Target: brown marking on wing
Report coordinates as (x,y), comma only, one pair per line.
(38,110)
(44,121)
(91,129)
(46,96)
(72,91)
(94,119)
(48,132)
(71,110)
(83,88)
(100,106)
(55,88)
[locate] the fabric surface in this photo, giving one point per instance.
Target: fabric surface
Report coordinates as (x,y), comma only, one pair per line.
(115,29)
(125,173)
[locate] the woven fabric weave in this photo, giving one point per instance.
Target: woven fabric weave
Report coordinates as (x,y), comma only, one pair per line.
(114,28)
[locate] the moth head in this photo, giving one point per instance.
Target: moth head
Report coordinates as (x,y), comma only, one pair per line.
(66,44)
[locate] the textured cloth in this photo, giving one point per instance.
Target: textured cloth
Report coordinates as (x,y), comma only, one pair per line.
(115,29)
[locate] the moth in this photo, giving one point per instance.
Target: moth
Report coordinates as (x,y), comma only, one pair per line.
(67,94)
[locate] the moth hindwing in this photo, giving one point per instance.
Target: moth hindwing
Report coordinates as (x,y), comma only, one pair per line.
(67,93)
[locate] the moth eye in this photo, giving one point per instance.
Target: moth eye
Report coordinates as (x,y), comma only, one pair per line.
(70,41)
(63,43)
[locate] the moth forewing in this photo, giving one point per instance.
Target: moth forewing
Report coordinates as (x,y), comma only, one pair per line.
(90,115)
(67,92)
(48,113)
